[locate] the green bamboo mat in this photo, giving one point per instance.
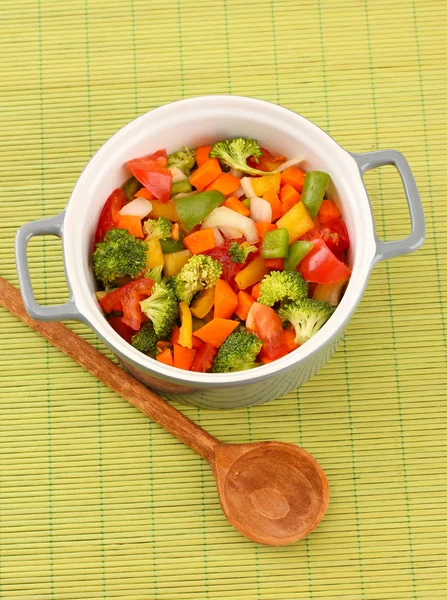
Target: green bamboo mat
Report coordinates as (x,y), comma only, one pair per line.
(95,501)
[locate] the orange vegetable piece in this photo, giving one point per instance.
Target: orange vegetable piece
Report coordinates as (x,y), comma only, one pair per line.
(225,183)
(273,199)
(275,263)
(244,302)
(144,193)
(202,155)
(183,357)
(235,204)
(288,337)
(200,241)
(196,343)
(289,197)
(162,345)
(263,228)
(165,357)
(294,177)
(256,290)
(206,174)
(133,225)
(225,300)
(216,331)
(175,231)
(175,335)
(328,212)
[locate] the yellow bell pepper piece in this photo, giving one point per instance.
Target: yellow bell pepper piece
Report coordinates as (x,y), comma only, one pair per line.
(161,209)
(297,222)
(175,261)
(154,253)
(252,273)
(185,337)
(266,183)
(203,303)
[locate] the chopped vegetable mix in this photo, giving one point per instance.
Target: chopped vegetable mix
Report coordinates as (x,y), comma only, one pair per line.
(204,256)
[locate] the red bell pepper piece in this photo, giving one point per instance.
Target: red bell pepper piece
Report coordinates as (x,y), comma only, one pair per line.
(110,214)
(203,358)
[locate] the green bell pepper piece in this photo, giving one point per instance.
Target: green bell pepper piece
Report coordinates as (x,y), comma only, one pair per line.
(246,203)
(314,188)
(297,251)
(275,243)
(197,323)
(130,187)
(181,187)
(170,245)
(193,209)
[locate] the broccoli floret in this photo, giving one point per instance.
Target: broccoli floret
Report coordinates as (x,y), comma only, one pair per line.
(307,317)
(161,308)
(282,285)
(199,273)
(239,252)
(118,255)
(145,340)
(159,228)
(155,274)
(237,353)
(234,154)
(183,160)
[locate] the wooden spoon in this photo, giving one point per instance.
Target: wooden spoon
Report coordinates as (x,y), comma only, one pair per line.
(272,492)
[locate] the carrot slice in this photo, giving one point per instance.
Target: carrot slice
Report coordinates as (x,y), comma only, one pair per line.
(200,241)
(235,204)
(244,302)
(216,331)
(165,357)
(256,290)
(289,197)
(275,263)
(225,300)
(175,335)
(294,177)
(328,212)
(263,228)
(144,193)
(133,225)
(183,357)
(273,199)
(225,183)
(202,155)
(205,174)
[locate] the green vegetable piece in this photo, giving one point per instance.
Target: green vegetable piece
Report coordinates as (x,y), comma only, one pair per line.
(239,252)
(297,251)
(183,160)
(161,308)
(159,228)
(237,353)
(314,188)
(181,187)
(275,243)
(145,340)
(197,323)
(199,273)
(169,245)
(130,187)
(307,317)
(282,285)
(155,274)
(120,254)
(193,209)
(235,153)
(246,203)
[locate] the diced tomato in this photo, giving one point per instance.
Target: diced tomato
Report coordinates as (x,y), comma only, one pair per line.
(321,265)
(203,358)
(152,173)
(229,268)
(110,214)
(127,298)
(121,328)
(335,236)
(267,162)
(267,325)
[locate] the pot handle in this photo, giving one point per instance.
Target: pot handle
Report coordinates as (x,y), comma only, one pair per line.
(379,158)
(51,226)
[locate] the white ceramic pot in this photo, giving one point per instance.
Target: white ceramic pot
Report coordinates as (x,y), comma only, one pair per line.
(195,122)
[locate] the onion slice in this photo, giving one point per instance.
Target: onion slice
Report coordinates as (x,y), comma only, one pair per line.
(218,237)
(261,210)
(177,175)
(140,207)
(231,233)
(289,163)
(247,187)
(225,217)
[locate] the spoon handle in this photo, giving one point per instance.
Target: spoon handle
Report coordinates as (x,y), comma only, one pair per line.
(112,375)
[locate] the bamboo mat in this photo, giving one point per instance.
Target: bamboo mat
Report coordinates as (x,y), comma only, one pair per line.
(95,502)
